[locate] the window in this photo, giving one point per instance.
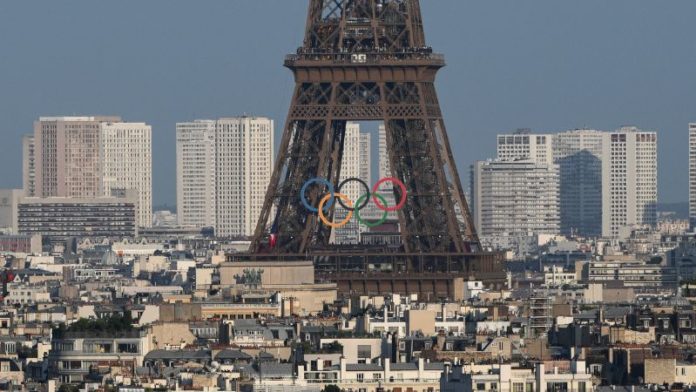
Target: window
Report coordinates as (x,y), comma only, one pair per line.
(480,387)
(518,387)
(360,377)
(582,387)
(557,387)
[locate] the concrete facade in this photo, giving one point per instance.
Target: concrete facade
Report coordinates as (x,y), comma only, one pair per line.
(126,153)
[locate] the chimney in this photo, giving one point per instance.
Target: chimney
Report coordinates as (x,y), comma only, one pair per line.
(343,367)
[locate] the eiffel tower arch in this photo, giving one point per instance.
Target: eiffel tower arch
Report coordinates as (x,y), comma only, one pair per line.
(367,60)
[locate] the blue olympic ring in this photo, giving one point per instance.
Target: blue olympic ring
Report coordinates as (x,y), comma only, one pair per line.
(317,180)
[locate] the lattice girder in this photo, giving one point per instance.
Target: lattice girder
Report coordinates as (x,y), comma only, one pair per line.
(366,60)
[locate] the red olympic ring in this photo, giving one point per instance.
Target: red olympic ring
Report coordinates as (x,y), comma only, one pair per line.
(396,182)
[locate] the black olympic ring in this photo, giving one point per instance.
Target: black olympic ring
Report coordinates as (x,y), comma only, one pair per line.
(357,207)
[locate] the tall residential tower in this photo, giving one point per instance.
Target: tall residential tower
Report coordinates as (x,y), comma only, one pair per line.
(692,175)
(195,173)
(223,170)
(355,164)
(126,153)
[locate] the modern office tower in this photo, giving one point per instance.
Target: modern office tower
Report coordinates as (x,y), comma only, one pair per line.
(522,144)
(28,165)
(578,155)
(60,218)
(629,180)
(67,156)
(244,165)
(195,173)
(355,164)
(692,176)
(515,197)
(126,152)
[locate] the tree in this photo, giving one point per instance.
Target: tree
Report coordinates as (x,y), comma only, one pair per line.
(68,388)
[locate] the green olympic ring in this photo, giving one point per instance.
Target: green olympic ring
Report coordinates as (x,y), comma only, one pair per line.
(378,222)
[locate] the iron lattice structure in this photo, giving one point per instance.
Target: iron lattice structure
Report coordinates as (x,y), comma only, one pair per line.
(367,60)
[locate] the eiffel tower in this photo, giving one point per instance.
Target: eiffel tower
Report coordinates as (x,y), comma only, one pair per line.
(367,60)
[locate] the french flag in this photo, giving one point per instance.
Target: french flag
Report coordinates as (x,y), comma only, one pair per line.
(274,234)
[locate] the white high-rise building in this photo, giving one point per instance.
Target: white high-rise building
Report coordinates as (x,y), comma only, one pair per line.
(629,180)
(223,171)
(244,166)
(126,153)
(195,173)
(692,175)
(515,197)
(384,172)
(355,164)
(607,180)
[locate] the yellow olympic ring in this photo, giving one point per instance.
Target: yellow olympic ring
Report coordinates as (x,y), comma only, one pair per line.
(323,217)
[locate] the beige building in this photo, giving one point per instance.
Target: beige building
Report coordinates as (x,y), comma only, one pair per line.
(67,156)
(294,281)
(669,371)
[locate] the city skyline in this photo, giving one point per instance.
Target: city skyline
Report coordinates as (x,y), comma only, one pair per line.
(342,251)
(611,75)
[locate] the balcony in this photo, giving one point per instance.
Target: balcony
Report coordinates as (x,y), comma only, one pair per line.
(413,57)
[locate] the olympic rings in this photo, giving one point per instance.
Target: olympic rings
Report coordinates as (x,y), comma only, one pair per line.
(396,182)
(357,204)
(342,223)
(327,200)
(378,222)
(316,180)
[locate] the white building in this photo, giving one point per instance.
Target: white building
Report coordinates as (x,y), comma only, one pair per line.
(692,175)
(607,180)
(126,152)
(522,144)
(26,294)
(555,275)
(224,167)
(195,173)
(515,197)
(244,166)
(629,180)
(546,376)
(354,164)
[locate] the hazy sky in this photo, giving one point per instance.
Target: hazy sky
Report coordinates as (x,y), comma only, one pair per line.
(547,65)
